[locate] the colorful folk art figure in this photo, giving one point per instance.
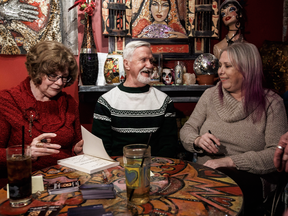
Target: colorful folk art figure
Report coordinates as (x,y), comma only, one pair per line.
(158,19)
(167,76)
(113,69)
(215,18)
(155,77)
(233,17)
(178,73)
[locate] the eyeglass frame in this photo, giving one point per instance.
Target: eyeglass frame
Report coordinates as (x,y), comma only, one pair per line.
(69,78)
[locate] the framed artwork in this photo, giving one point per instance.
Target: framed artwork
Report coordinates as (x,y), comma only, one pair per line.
(175,28)
(24,23)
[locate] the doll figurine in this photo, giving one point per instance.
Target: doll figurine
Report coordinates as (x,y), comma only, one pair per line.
(233,17)
(167,76)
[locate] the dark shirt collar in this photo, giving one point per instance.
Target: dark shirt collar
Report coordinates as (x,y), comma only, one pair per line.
(134,89)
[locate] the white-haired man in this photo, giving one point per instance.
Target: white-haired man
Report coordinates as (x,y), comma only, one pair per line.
(133,110)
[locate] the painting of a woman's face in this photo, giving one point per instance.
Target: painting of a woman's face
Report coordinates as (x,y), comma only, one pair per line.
(229,14)
(159,10)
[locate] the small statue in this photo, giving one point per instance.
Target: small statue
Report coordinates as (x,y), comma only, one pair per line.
(155,75)
(178,73)
(189,78)
(233,17)
(167,76)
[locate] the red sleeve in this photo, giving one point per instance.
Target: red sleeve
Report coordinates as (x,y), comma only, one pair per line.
(46,161)
(142,23)
(176,27)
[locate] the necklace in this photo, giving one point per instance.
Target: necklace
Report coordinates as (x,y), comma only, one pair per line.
(31,115)
(229,40)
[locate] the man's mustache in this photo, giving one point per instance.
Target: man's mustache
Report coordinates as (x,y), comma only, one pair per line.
(146,70)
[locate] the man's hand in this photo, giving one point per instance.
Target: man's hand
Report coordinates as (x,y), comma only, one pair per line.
(177,35)
(281,154)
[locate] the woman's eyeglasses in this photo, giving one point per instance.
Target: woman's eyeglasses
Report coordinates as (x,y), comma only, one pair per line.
(54,78)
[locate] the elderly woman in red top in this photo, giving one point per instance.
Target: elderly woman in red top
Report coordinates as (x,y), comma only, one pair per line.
(50,116)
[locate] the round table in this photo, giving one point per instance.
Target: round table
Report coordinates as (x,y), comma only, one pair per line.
(177,188)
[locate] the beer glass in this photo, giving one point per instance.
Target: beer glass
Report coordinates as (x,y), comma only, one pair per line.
(19,169)
(137,176)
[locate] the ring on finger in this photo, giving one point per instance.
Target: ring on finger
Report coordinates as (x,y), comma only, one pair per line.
(279,147)
(39,145)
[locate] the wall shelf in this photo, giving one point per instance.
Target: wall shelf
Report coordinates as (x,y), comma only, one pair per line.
(88,96)
(179,94)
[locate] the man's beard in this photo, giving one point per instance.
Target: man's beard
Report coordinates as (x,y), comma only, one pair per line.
(143,79)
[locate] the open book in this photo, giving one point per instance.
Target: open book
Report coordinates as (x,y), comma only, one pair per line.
(95,157)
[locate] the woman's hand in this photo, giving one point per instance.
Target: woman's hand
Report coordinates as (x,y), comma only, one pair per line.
(205,142)
(222,162)
(78,148)
(172,35)
(142,34)
(41,146)
(177,35)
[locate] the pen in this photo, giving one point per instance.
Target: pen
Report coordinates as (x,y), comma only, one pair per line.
(44,140)
(213,141)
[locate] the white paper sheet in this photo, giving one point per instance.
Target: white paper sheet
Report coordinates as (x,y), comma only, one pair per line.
(93,145)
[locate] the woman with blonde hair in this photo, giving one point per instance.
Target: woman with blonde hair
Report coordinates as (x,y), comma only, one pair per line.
(236,125)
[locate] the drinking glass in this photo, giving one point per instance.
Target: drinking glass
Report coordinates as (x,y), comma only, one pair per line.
(137,176)
(19,169)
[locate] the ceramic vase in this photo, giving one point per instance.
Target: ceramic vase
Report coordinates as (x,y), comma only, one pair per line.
(205,79)
(178,73)
(88,56)
(114,69)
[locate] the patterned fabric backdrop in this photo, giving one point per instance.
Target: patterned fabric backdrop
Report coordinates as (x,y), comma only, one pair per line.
(23,23)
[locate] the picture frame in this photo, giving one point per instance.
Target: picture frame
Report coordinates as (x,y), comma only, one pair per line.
(198,20)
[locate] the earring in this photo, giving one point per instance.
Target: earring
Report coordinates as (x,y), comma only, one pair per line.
(169,17)
(238,25)
(150,16)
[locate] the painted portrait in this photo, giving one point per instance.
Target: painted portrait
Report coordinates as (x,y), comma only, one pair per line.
(156,19)
(23,23)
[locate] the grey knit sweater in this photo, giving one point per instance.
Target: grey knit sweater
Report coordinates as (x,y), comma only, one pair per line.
(251,146)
